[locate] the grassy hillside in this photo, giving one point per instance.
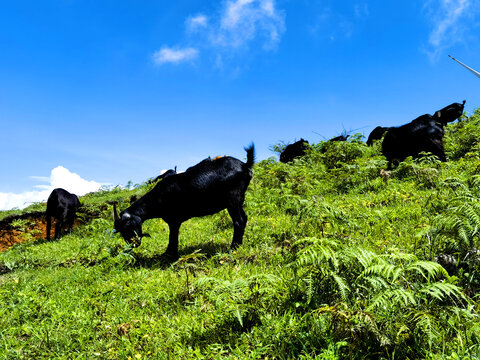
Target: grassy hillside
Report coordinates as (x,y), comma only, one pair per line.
(337,262)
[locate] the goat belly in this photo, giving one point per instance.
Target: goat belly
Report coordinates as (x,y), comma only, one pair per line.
(197,205)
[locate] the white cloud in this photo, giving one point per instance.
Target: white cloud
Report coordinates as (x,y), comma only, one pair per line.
(236,25)
(60,177)
(194,23)
(335,25)
(361,10)
(450,23)
(242,21)
(169,55)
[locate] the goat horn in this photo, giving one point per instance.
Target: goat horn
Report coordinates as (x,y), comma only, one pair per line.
(115,212)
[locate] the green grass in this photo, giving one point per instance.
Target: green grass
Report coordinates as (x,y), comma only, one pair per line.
(337,262)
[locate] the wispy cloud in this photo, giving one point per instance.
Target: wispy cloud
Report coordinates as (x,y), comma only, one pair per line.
(449,19)
(242,21)
(194,23)
(235,27)
(171,55)
(336,25)
(361,10)
(60,177)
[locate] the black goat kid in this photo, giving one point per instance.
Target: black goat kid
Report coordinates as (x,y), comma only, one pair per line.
(62,206)
(204,189)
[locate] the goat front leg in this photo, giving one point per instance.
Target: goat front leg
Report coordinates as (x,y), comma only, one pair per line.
(70,220)
(172,249)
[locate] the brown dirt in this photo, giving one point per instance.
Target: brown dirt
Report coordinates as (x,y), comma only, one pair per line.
(33,227)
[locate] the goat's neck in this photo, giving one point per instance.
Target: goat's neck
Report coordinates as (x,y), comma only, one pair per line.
(145,210)
(137,210)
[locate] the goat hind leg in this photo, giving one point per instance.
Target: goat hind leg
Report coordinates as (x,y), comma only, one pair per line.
(49,225)
(60,222)
(58,228)
(70,221)
(239,218)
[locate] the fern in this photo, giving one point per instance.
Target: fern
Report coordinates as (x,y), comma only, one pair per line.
(425,324)
(442,290)
(363,256)
(342,286)
(428,269)
(458,229)
(392,298)
(389,272)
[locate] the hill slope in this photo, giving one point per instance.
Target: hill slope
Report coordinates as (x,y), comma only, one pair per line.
(337,262)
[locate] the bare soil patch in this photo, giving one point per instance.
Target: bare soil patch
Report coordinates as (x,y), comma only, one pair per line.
(16,229)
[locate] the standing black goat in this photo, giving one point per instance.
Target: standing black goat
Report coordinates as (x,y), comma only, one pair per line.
(293,151)
(204,189)
(340,138)
(449,113)
(62,205)
(377,134)
(424,134)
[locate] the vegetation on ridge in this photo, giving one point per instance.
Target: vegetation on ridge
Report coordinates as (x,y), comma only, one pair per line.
(337,262)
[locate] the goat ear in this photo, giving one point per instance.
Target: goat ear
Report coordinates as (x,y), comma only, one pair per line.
(115,212)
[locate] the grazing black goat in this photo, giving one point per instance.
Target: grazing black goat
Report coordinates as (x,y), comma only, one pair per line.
(203,189)
(293,151)
(62,205)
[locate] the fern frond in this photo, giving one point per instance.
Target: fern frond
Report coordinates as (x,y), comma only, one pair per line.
(365,322)
(399,256)
(428,269)
(319,254)
(377,283)
(388,271)
(425,323)
(364,257)
(393,297)
(442,290)
(341,285)
(310,287)
(454,184)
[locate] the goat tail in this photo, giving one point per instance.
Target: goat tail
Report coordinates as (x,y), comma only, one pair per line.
(250,155)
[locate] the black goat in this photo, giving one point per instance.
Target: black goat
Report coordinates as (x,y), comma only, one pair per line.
(203,189)
(340,138)
(293,151)
(424,134)
(420,135)
(62,205)
(442,117)
(449,113)
(376,134)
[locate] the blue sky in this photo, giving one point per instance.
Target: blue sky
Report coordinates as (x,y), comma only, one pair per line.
(116,91)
